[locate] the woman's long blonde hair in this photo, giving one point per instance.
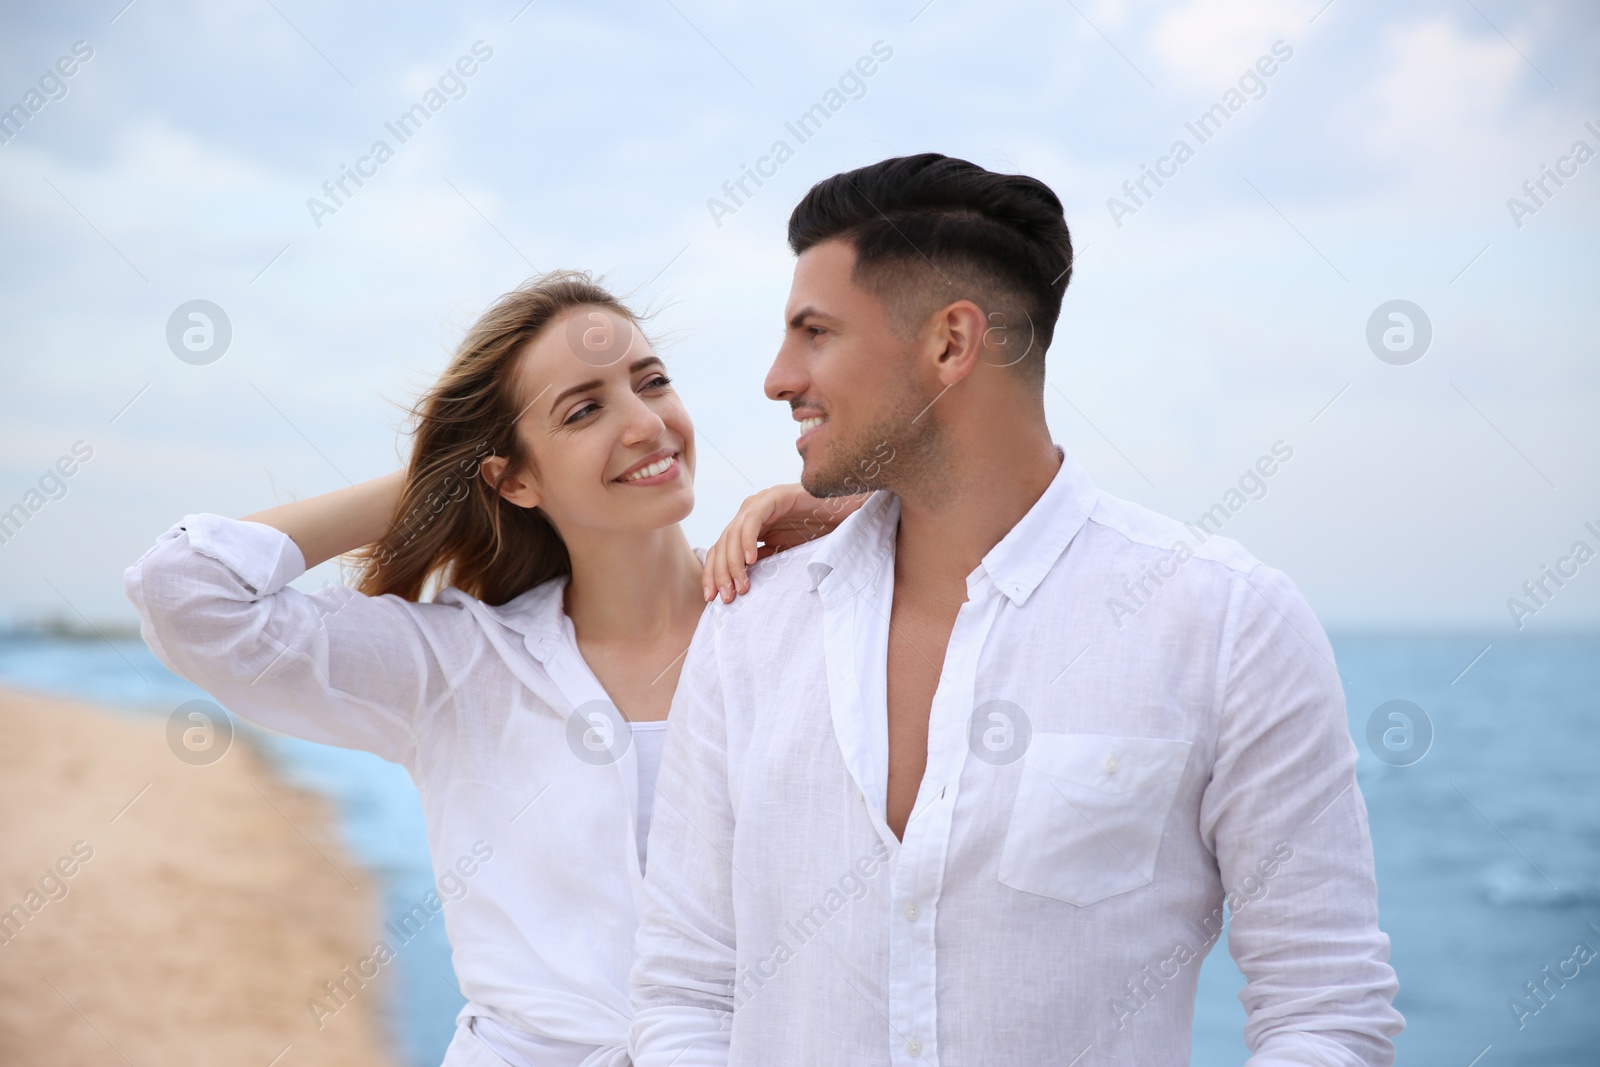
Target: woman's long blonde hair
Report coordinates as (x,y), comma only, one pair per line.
(452,527)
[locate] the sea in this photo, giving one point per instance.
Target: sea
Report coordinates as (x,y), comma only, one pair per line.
(1479,764)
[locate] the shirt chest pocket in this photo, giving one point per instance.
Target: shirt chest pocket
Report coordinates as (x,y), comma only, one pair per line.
(1089,814)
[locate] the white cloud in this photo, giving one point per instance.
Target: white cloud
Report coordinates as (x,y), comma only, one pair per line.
(1207,43)
(1442,89)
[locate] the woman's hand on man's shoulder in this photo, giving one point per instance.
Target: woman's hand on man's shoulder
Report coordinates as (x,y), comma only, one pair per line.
(770,521)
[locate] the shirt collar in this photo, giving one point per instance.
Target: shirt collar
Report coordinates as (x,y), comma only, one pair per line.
(538,614)
(855,551)
(1031,548)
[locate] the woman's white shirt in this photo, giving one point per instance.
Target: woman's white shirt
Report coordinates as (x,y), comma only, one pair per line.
(530,780)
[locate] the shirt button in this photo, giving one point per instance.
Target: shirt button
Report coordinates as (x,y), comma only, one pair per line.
(1112,764)
(914,1047)
(911,912)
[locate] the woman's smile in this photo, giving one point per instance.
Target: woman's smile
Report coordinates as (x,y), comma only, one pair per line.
(656,469)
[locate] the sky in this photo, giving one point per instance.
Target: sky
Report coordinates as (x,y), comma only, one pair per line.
(1237,307)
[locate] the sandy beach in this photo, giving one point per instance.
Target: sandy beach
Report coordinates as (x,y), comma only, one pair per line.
(153,912)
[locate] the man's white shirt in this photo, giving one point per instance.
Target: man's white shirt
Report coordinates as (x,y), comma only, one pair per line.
(1134,721)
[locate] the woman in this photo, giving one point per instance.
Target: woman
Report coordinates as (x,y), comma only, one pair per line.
(551,466)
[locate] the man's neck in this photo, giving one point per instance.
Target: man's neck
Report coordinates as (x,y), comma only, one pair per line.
(944,534)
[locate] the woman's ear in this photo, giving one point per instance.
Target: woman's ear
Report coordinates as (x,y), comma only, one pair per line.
(519,490)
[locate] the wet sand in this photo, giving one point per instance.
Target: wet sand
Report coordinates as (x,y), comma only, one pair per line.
(157,913)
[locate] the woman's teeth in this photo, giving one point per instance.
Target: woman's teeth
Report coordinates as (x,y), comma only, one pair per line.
(660,466)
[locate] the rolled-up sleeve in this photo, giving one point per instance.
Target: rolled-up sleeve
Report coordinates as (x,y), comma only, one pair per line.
(684,977)
(332,666)
(1285,818)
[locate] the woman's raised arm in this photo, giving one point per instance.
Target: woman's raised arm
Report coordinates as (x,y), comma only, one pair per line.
(331,665)
(338,522)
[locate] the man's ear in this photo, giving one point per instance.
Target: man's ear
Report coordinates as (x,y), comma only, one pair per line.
(518,489)
(959,336)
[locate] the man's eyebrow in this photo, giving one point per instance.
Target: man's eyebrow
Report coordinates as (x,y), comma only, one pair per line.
(807,312)
(594,383)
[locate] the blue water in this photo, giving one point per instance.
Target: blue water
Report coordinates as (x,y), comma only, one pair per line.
(1487,848)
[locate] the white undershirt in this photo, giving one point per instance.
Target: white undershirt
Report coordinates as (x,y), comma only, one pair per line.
(649,738)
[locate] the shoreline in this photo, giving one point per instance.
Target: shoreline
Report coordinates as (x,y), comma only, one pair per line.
(155,911)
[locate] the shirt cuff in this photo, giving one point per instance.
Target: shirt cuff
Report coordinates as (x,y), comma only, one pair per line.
(265,558)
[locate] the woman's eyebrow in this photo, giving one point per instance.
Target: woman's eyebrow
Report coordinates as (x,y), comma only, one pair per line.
(595,383)
(581,387)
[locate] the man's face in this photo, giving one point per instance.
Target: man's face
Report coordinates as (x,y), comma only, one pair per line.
(850,380)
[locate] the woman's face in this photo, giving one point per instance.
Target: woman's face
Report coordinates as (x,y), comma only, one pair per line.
(612,443)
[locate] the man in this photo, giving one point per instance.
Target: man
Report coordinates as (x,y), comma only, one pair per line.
(931,796)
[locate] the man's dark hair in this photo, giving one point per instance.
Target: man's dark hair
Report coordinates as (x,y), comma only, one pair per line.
(930,229)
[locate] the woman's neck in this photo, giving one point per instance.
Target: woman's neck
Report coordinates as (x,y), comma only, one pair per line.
(633,587)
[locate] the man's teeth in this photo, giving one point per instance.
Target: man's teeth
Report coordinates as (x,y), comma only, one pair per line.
(658,467)
(812,423)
